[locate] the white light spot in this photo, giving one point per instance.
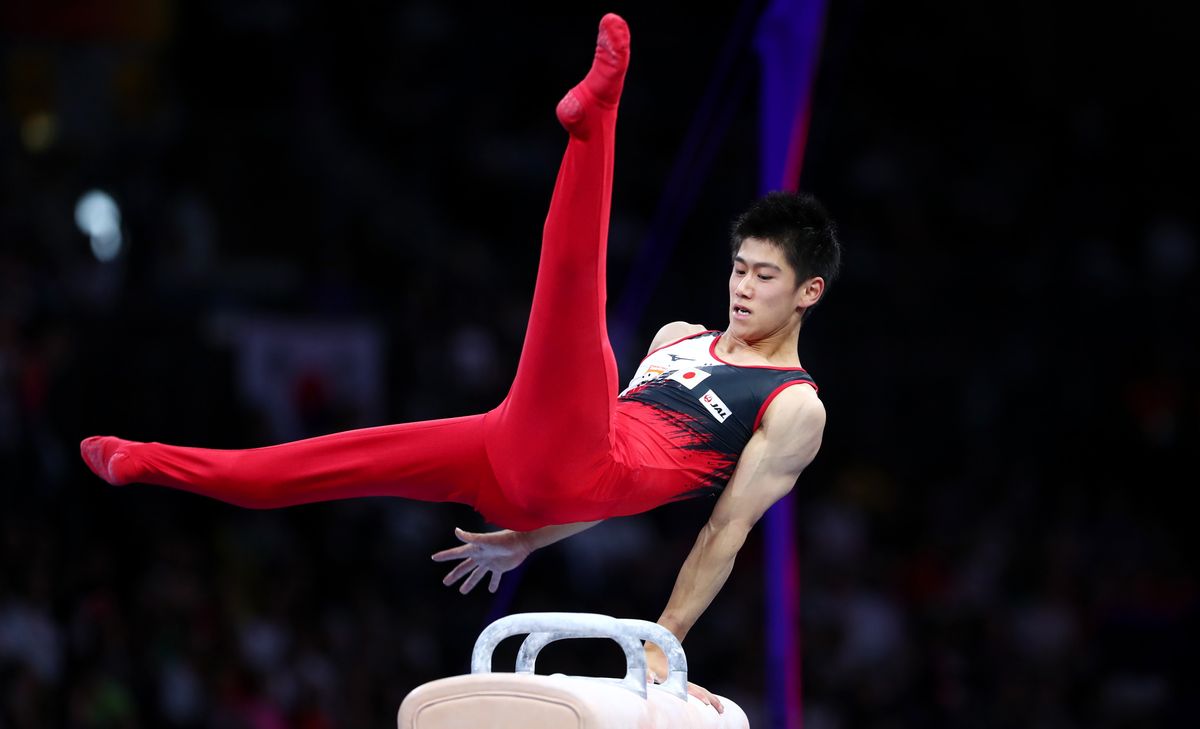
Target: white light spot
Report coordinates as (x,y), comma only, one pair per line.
(106,247)
(98,216)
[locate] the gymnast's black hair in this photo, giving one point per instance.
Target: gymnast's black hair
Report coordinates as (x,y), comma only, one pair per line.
(799,224)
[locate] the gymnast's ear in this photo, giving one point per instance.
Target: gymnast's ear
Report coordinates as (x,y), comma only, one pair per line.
(809,292)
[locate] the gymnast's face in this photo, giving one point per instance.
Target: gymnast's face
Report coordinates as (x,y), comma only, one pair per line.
(763,296)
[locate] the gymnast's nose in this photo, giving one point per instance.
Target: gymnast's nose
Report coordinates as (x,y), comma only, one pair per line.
(745,288)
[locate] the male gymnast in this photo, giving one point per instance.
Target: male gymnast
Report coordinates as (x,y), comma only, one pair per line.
(728,413)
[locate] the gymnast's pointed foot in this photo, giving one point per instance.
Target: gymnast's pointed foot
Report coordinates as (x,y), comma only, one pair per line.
(108,459)
(602,85)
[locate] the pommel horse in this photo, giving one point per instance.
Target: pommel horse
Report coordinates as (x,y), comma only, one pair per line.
(525,700)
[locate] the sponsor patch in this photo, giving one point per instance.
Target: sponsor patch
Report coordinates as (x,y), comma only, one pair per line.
(719,409)
(653,372)
(689,377)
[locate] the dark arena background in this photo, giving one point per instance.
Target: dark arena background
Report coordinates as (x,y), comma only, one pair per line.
(237,222)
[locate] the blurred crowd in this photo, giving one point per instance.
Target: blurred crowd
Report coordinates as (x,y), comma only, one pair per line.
(329,218)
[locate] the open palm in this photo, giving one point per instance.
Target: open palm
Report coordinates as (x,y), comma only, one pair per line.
(481,554)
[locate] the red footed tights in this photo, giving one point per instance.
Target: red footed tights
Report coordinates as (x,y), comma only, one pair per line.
(537,458)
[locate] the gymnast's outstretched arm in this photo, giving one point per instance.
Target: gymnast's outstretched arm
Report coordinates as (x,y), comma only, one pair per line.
(784,445)
(499,552)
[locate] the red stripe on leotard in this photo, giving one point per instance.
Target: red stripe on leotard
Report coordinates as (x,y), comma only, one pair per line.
(763,410)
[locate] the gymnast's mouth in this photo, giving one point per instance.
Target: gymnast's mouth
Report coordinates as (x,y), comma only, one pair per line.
(741,311)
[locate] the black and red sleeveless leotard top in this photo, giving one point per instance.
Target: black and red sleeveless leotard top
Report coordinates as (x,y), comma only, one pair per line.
(700,410)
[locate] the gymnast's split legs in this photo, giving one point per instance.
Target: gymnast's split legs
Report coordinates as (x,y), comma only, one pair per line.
(523,464)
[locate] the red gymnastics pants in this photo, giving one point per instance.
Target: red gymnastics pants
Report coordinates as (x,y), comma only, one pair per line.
(545,455)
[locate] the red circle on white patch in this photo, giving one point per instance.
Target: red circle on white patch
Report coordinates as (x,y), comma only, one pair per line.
(688,375)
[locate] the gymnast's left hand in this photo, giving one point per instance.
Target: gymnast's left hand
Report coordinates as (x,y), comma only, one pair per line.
(491,552)
(706,696)
(656,672)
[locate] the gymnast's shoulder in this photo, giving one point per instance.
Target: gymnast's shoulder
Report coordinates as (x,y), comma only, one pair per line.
(675,331)
(795,423)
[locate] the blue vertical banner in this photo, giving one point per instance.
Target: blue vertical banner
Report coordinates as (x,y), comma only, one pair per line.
(788,41)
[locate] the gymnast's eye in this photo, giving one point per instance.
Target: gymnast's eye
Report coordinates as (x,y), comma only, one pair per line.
(736,272)
(765,277)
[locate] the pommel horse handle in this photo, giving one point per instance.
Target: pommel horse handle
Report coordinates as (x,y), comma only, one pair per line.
(545,628)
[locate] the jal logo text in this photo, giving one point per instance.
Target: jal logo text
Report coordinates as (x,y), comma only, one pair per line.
(719,409)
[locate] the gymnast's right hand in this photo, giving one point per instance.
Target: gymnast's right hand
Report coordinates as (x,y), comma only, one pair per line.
(495,552)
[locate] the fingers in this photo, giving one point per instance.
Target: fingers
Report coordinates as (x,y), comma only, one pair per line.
(500,537)
(474,547)
(453,553)
(714,702)
(456,552)
(704,695)
(459,570)
(473,580)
